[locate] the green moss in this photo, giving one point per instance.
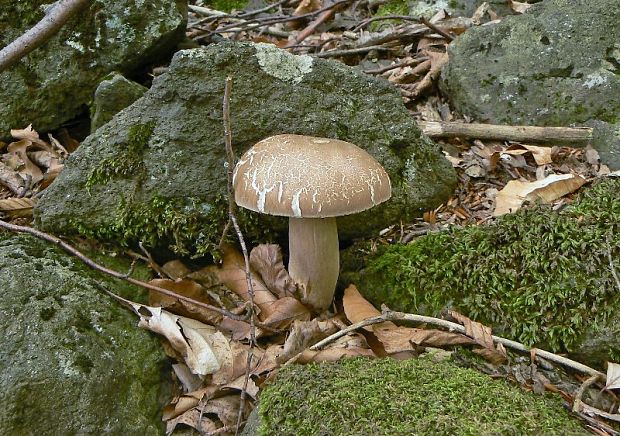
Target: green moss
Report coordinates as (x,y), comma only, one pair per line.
(538,276)
(126,162)
(392,7)
(187,226)
(412,397)
(227,5)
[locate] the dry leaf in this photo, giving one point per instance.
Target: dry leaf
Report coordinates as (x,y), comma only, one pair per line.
(186,288)
(266,260)
(284,311)
(613,376)
(232,275)
(304,334)
(519,7)
(17,207)
(399,339)
(351,345)
(189,380)
(175,269)
(357,308)
(552,187)
(482,335)
(199,344)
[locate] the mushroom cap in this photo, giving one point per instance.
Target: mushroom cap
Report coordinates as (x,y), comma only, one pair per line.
(308,177)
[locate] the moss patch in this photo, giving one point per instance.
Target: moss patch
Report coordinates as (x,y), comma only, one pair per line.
(539,276)
(416,396)
(128,161)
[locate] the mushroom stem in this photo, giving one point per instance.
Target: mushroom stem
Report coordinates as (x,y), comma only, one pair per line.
(314,259)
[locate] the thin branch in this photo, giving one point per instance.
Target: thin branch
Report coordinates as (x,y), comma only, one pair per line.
(389,315)
(567,135)
(350,52)
(431,26)
(75,252)
(41,32)
(327,13)
(232,207)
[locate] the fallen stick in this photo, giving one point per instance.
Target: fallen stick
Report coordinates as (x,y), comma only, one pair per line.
(564,135)
(53,21)
(389,315)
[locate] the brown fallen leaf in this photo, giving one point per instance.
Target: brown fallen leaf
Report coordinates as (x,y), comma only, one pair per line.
(303,334)
(284,311)
(552,187)
(186,288)
(195,419)
(266,260)
(17,207)
(482,335)
(175,269)
(396,339)
(357,308)
(232,275)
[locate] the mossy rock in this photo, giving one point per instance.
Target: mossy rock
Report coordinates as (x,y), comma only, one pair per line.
(412,397)
(55,82)
(537,276)
(73,361)
(112,95)
(556,65)
(156,173)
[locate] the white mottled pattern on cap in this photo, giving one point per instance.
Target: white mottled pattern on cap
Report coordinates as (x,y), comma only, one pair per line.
(308,177)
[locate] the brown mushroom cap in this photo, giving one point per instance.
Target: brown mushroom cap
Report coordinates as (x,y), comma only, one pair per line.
(308,177)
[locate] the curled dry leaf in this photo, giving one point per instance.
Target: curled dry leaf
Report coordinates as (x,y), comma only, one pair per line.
(303,334)
(284,311)
(266,260)
(232,275)
(482,335)
(396,339)
(613,376)
(552,187)
(199,344)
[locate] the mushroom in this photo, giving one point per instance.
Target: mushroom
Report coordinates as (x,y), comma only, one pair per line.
(312,181)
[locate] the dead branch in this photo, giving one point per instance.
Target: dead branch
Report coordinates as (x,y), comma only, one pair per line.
(75,252)
(328,12)
(577,136)
(41,32)
(232,207)
(350,52)
(389,315)
(436,29)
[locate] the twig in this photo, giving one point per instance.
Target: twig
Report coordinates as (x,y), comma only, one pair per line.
(407,63)
(350,52)
(75,252)
(436,29)
(389,315)
(577,402)
(41,32)
(572,135)
(328,12)
(232,206)
(611,261)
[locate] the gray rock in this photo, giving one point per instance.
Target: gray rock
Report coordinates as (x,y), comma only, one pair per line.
(72,361)
(156,172)
(54,83)
(112,96)
(558,64)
